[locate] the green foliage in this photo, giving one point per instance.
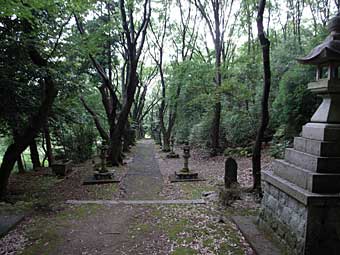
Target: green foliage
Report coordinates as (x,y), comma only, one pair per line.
(184,251)
(238,151)
(239,128)
(199,134)
(294,104)
(78,142)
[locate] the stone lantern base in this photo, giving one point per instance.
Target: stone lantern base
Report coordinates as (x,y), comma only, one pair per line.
(301,200)
(172,155)
(104,175)
(185,176)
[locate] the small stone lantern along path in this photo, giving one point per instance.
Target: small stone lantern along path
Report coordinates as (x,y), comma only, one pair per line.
(102,174)
(185,175)
(172,154)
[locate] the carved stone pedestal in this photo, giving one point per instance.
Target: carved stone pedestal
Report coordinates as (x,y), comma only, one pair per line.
(186,176)
(301,203)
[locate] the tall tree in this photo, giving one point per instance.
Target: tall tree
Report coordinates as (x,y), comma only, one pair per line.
(117,111)
(218,24)
(265,43)
(34,29)
(133,44)
(140,107)
(183,38)
(36,122)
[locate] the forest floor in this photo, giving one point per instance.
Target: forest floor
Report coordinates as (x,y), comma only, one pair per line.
(54,227)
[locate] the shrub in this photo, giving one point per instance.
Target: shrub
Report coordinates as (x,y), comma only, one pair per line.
(78,142)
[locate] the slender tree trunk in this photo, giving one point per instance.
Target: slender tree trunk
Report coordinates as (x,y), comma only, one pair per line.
(159,134)
(96,120)
(49,152)
(34,155)
(215,127)
(265,43)
(20,165)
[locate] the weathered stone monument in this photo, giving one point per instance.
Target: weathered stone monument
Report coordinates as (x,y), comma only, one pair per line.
(230,191)
(172,153)
(230,172)
(301,202)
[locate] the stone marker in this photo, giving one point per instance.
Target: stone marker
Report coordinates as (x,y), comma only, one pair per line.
(230,175)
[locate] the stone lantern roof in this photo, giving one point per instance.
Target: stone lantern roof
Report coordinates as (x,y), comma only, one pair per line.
(329,50)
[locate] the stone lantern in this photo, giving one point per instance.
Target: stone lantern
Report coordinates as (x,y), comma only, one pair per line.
(102,172)
(301,197)
(326,58)
(185,174)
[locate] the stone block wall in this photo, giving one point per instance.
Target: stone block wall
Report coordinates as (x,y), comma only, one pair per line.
(285,217)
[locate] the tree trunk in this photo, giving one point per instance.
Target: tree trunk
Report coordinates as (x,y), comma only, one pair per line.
(215,130)
(34,155)
(159,135)
(265,43)
(49,152)
(166,142)
(116,151)
(96,120)
(127,139)
(215,125)
(20,165)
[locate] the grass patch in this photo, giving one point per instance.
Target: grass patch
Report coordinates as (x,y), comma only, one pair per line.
(143,228)
(184,251)
(176,227)
(195,190)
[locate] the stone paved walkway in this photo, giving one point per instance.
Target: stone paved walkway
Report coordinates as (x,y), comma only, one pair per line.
(144,180)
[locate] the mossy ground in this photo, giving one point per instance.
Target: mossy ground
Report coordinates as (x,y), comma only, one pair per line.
(45,231)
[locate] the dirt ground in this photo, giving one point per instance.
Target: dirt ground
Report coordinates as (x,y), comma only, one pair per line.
(54,227)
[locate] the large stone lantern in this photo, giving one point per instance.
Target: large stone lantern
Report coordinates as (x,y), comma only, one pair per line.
(301,200)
